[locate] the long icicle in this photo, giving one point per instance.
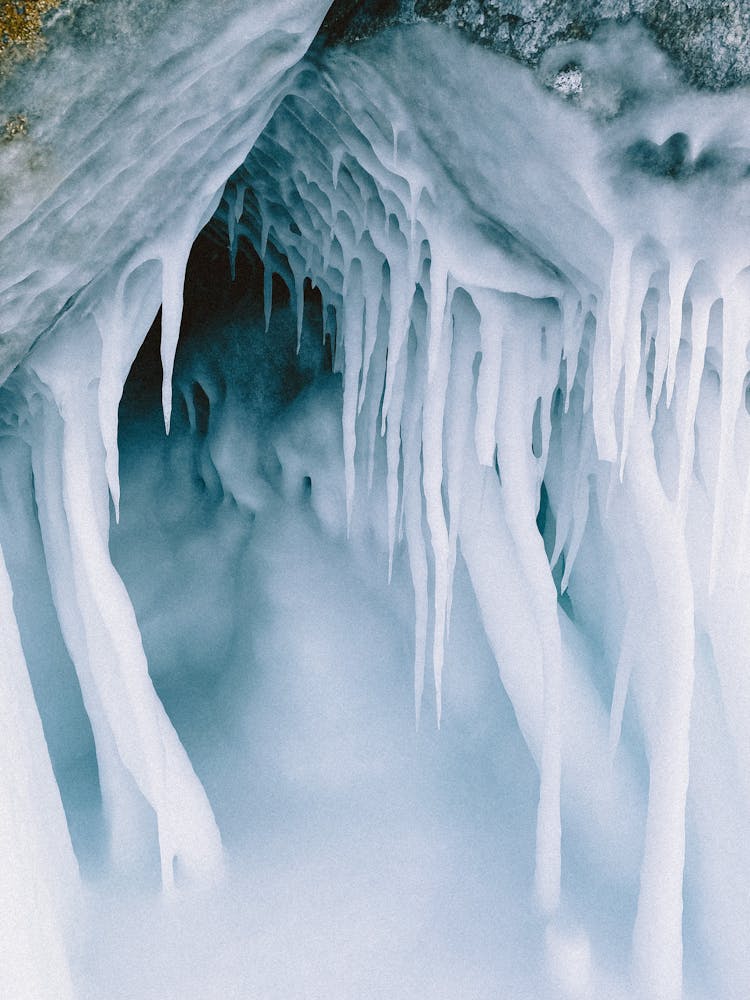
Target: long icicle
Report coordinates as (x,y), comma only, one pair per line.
(39,868)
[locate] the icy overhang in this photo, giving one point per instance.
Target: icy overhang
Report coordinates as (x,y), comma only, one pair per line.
(129,145)
(437,152)
(525,298)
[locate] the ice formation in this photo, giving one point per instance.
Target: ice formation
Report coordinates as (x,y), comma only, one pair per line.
(536,423)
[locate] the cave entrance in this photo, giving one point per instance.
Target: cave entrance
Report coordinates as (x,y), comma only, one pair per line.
(284,657)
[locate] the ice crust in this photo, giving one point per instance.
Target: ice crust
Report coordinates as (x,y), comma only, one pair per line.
(539,318)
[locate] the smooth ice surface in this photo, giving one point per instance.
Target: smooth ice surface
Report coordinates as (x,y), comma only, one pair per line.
(38,860)
(456,394)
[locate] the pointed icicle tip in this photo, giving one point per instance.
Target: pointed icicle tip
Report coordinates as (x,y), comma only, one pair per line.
(173,280)
(113,480)
(267,295)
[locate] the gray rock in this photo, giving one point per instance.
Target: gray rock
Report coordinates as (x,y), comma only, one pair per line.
(708,40)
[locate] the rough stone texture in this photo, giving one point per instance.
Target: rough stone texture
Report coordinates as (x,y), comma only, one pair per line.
(348,20)
(21,21)
(708,39)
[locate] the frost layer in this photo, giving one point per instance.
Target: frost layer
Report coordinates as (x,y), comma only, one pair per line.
(540,327)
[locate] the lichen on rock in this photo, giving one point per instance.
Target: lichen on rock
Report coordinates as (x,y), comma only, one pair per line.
(707,39)
(21,24)
(14,126)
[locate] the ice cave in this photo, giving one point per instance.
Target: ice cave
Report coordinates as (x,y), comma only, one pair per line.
(374,510)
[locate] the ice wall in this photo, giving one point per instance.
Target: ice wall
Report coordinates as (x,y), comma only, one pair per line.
(126,159)
(528,299)
(40,873)
(538,312)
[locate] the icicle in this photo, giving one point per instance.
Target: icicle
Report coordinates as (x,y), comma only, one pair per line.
(39,870)
(138,751)
(298,278)
(239,199)
(373,395)
(633,626)
(173,281)
(519,487)
(393,454)
(123,326)
(232,232)
(466,346)
(588,392)
(563,525)
(620,286)
(110,393)
(503,598)
(438,357)
(606,360)
(415,193)
(438,299)
(352,324)
(573,316)
(733,367)
(657,935)
(680,271)
(579,518)
(742,547)
(491,324)
(401,292)
(662,341)
(576,450)
(125,691)
(235,208)
(337,155)
(123,805)
(701,311)
(548,387)
(268,274)
(412,509)
(373,279)
(265,228)
(641,268)
(418,571)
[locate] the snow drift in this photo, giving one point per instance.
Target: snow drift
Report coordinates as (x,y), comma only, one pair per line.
(510,377)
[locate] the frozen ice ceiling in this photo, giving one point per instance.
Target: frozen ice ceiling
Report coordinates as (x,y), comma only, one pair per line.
(535,305)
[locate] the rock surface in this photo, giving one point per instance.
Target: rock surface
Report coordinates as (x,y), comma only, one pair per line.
(707,39)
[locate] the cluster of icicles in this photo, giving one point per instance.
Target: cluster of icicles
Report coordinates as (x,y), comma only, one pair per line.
(494,377)
(512,392)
